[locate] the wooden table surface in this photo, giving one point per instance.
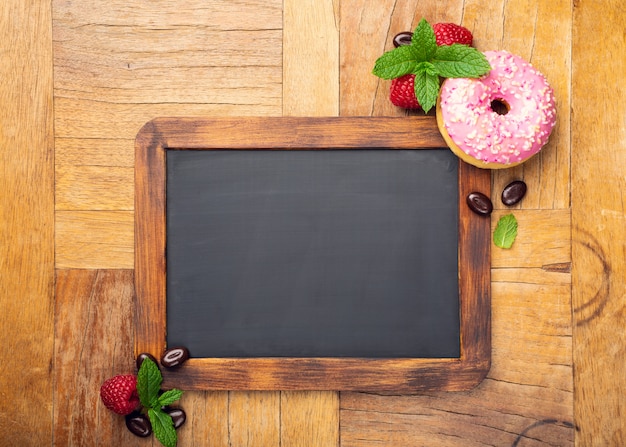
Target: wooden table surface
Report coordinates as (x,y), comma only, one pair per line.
(78,80)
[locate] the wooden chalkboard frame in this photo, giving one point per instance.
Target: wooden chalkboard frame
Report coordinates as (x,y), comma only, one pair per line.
(403,375)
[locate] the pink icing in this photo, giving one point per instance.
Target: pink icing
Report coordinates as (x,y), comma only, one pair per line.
(485,135)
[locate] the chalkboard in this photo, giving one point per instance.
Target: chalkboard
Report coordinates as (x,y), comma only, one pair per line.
(310,253)
(313,253)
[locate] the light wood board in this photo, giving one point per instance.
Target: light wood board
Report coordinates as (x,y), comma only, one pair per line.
(26,223)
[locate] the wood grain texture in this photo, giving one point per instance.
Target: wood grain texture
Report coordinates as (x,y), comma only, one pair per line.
(26,223)
(311,33)
(309,418)
(94,239)
(598,223)
(103,96)
(207,419)
(93,341)
(254,418)
(548,248)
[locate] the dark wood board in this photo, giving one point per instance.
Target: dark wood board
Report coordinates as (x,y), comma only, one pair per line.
(383,372)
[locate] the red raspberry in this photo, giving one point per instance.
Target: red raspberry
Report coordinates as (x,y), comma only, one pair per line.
(119,394)
(449,33)
(402,92)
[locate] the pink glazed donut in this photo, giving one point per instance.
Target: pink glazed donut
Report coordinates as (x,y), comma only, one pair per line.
(501,119)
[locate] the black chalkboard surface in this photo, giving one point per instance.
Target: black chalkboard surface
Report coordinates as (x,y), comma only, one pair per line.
(310,253)
(313,253)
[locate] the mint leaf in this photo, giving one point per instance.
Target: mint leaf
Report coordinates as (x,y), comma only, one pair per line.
(395,63)
(149,381)
(163,427)
(169,397)
(423,42)
(505,232)
(460,61)
(426,89)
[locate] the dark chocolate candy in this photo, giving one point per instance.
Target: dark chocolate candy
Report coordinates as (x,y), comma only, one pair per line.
(177,414)
(138,424)
(403,38)
(479,203)
(174,357)
(513,192)
(141,357)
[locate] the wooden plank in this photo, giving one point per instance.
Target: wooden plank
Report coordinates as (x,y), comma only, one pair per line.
(220,15)
(94,239)
(27,216)
(207,419)
(231,51)
(93,174)
(254,418)
(93,188)
(598,222)
(93,152)
(93,341)
(309,419)
(475,419)
(532,309)
(86,119)
(310,34)
(363,39)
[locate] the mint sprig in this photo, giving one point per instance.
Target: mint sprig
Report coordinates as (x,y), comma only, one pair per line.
(149,381)
(430,63)
(506,231)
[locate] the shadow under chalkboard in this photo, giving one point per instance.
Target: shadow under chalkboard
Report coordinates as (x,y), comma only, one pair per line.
(310,253)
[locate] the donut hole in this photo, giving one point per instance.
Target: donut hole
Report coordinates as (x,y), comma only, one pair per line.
(500,106)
